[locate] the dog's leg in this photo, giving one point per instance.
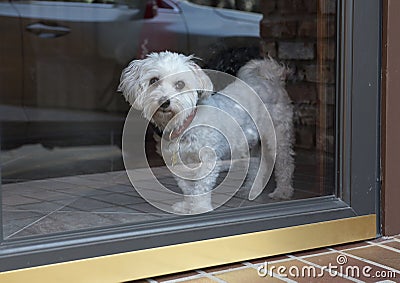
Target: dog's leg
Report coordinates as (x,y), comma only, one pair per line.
(197,196)
(260,179)
(265,161)
(254,165)
(284,163)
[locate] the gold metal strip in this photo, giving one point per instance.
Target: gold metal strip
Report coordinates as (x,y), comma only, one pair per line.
(200,254)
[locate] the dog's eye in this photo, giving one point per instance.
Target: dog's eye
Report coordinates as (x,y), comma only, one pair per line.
(153,80)
(179,84)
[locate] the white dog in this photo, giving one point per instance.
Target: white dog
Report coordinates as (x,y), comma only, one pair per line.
(168,89)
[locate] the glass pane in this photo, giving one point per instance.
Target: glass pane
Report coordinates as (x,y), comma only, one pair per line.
(65,146)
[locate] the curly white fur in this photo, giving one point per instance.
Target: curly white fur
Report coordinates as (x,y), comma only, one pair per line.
(174,78)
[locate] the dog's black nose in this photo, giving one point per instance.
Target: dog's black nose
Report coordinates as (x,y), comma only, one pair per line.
(165,103)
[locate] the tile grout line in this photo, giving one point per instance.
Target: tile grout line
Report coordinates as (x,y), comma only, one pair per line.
(369,261)
(210,276)
(386,247)
(192,277)
(198,275)
(381,242)
(351,249)
(183,279)
(322,268)
(289,259)
(41,218)
(387,237)
(272,275)
(228,270)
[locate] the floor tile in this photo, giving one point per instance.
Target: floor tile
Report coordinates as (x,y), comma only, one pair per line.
(148,208)
(14,215)
(115,188)
(12,228)
(350,246)
(116,209)
(97,191)
(381,240)
(118,199)
(200,280)
(75,220)
(82,180)
(245,275)
(311,252)
(394,244)
(43,206)
(86,204)
(379,255)
(348,266)
(79,191)
(269,259)
(124,218)
(46,195)
(175,276)
(304,272)
(19,200)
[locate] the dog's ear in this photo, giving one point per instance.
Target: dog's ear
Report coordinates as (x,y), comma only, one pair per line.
(131,84)
(206,86)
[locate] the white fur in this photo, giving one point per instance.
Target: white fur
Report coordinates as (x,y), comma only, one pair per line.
(266,77)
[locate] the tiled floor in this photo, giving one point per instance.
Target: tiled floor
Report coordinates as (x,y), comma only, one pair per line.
(89,201)
(57,205)
(72,203)
(368,261)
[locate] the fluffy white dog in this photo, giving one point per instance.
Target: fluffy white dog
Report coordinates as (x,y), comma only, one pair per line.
(169,88)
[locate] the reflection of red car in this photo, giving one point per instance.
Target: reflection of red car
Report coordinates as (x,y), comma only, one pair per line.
(69,54)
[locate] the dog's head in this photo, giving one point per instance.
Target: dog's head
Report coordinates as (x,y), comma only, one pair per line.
(163,85)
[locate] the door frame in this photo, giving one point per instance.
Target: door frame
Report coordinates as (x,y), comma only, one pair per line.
(261,231)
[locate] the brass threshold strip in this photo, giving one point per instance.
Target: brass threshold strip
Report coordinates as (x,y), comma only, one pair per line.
(195,255)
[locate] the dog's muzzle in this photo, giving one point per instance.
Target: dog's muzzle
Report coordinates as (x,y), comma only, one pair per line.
(164,102)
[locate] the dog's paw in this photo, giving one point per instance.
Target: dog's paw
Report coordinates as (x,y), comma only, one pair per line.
(282,193)
(181,207)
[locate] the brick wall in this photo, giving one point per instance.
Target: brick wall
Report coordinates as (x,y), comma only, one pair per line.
(302,34)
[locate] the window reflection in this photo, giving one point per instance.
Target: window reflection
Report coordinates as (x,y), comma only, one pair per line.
(62,119)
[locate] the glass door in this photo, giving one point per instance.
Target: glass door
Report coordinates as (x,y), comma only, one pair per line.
(83,174)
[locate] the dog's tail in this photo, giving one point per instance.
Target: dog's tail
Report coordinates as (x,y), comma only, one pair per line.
(266,69)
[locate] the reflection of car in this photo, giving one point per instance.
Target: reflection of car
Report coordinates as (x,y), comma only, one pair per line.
(73,52)
(68,55)
(205,31)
